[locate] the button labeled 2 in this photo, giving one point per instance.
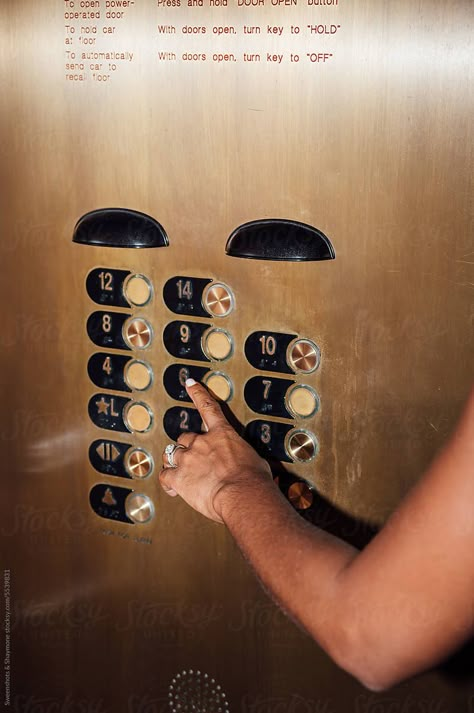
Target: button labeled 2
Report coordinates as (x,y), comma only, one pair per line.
(179,419)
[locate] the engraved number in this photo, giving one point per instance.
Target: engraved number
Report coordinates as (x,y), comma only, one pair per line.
(184,333)
(268,345)
(184,422)
(183,375)
(185,289)
(267,384)
(107,366)
(106,322)
(265,433)
(106,281)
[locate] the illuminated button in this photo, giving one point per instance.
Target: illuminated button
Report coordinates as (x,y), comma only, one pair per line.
(218,299)
(300,495)
(138,290)
(138,463)
(138,375)
(219,385)
(139,508)
(301,446)
(302,401)
(217,344)
(138,417)
(303,356)
(137,333)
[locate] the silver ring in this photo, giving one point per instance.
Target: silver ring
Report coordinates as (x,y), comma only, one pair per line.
(170,450)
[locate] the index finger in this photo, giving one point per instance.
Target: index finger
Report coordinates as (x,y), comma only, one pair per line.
(209,409)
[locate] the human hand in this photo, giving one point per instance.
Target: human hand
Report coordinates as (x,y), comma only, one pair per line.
(208,464)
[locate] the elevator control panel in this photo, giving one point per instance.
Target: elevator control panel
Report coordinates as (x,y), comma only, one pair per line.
(198,342)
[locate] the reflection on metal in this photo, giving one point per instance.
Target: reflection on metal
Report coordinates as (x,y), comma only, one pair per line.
(301,446)
(218,300)
(300,495)
(303,356)
(139,463)
(137,333)
(139,508)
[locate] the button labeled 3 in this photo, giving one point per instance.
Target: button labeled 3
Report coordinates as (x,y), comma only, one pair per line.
(301,446)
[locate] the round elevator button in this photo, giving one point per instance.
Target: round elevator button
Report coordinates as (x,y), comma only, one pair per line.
(217,344)
(219,385)
(138,290)
(138,375)
(301,446)
(139,508)
(302,401)
(303,356)
(218,299)
(138,417)
(137,333)
(300,495)
(138,463)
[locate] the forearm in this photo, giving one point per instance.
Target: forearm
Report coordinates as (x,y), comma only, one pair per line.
(383,614)
(396,608)
(299,564)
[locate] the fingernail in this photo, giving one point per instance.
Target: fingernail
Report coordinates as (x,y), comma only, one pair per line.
(190,382)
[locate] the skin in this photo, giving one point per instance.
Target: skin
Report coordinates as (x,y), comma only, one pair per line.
(384,614)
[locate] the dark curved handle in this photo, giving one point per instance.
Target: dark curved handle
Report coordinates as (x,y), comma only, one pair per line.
(119,228)
(277,239)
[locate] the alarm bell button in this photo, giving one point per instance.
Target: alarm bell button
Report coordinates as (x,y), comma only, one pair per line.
(300,495)
(138,375)
(137,333)
(301,446)
(302,401)
(138,463)
(138,290)
(217,344)
(303,356)
(139,508)
(138,417)
(218,300)
(219,385)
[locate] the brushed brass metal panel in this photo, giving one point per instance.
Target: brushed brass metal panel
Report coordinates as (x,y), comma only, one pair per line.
(372,150)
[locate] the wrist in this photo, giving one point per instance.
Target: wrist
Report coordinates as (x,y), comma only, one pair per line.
(240,495)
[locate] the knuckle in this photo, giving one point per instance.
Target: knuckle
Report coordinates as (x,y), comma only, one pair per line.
(208,405)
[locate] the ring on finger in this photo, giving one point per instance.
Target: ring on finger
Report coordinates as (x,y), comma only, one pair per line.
(170,450)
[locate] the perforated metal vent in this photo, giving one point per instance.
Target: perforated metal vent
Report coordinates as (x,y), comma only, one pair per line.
(196,692)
